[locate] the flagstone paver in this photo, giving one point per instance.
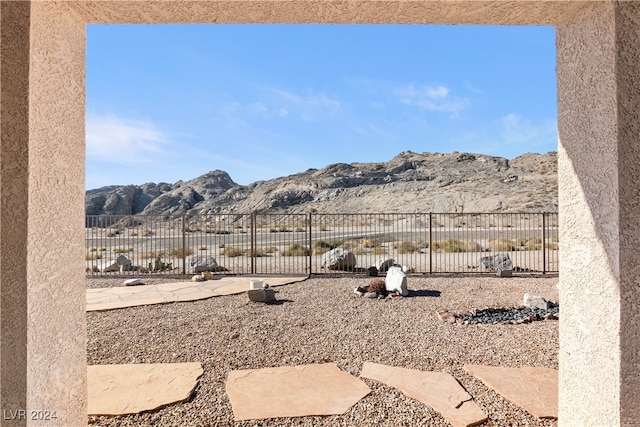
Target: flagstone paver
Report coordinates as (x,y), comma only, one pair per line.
(130,389)
(293,391)
(438,390)
(128,296)
(534,389)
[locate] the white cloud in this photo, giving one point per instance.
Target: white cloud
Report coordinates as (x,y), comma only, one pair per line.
(430,98)
(122,141)
(514,129)
(307,101)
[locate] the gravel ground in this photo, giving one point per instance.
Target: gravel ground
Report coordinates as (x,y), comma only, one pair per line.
(321,320)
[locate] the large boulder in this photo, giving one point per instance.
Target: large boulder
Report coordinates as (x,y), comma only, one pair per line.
(396,281)
(383,264)
(338,259)
(498,262)
(200,263)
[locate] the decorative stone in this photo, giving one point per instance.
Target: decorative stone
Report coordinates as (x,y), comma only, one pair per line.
(493,263)
(372,271)
(200,263)
(293,391)
(338,259)
(133,282)
(197,278)
(262,295)
(446,316)
(370,295)
(536,301)
(504,272)
(358,292)
(396,281)
(207,275)
(383,264)
(437,390)
(130,389)
(534,389)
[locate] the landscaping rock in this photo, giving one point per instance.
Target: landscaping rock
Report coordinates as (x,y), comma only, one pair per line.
(383,264)
(396,281)
(262,295)
(536,301)
(200,263)
(373,271)
(495,262)
(338,259)
(133,282)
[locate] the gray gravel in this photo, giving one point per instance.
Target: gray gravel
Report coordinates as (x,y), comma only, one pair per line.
(322,320)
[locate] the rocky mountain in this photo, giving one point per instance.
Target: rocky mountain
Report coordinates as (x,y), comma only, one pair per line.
(410,182)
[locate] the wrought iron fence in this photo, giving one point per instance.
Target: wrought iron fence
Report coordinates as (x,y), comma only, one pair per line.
(302,243)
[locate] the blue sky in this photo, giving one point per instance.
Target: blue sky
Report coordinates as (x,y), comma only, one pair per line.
(171,102)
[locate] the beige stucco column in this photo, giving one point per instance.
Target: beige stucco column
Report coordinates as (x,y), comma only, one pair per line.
(42,291)
(599,178)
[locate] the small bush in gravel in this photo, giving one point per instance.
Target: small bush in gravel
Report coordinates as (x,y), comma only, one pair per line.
(232,252)
(377,285)
(406,247)
(456,246)
(500,245)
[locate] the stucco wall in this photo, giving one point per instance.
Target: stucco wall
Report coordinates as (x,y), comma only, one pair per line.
(42,83)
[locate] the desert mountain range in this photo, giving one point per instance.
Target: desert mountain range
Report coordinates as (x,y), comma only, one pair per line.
(410,182)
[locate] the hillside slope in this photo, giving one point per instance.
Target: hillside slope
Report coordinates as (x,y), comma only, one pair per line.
(410,182)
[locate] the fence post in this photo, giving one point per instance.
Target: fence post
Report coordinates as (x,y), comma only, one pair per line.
(544,243)
(310,248)
(430,243)
(184,244)
(253,242)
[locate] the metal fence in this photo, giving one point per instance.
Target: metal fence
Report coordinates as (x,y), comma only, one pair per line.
(299,243)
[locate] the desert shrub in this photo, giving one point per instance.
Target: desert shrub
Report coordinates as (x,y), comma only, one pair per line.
(146,232)
(270,249)
(320,246)
(553,244)
(93,249)
(454,245)
(259,252)
(221,245)
(153,254)
(180,252)
(323,227)
(378,251)
(358,250)
(102,249)
(351,245)
(531,243)
(296,250)
(232,252)
(93,257)
(300,230)
(112,233)
(370,243)
(377,285)
(122,250)
(406,247)
(202,248)
(499,245)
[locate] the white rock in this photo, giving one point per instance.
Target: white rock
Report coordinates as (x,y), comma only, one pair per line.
(396,281)
(535,301)
(197,278)
(133,282)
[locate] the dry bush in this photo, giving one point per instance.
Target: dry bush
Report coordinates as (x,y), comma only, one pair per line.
(370,243)
(406,247)
(351,245)
(180,252)
(296,250)
(202,248)
(320,246)
(93,249)
(377,285)
(531,243)
(232,252)
(152,254)
(92,257)
(553,244)
(146,232)
(456,246)
(122,250)
(380,250)
(501,245)
(270,249)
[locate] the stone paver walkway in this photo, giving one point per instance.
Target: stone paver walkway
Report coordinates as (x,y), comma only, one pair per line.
(129,296)
(534,389)
(293,391)
(438,390)
(129,389)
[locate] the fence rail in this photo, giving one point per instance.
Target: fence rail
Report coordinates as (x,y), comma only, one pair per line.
(298,243)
